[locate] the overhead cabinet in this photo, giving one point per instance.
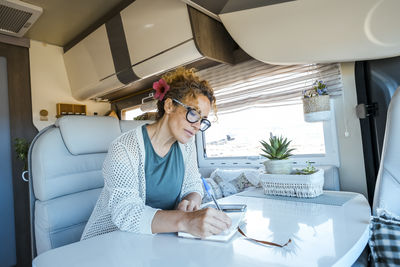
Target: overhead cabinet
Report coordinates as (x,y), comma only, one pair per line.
(147,38)
(90,65)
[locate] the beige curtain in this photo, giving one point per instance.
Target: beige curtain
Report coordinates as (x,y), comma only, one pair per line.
(256,84)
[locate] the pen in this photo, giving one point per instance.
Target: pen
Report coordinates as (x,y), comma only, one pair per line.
(208,190)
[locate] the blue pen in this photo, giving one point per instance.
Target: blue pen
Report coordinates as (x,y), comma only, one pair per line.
(208,190)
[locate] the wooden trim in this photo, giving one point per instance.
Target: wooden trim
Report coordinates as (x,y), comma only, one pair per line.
(208,11)
(24,42)
(70,109)
(21,125)
(211,38)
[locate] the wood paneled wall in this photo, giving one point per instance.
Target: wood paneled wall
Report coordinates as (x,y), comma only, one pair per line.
(21,126)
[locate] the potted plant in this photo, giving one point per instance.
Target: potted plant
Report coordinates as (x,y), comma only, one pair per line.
(278,153)
(316,104)
(306,183)
(309,169)
(21,148)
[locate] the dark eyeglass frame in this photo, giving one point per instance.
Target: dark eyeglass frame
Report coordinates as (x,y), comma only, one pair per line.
(204,123)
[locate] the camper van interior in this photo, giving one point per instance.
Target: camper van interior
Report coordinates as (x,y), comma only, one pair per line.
(303,143)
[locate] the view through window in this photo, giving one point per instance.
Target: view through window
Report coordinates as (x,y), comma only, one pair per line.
(238,134)
(130,114)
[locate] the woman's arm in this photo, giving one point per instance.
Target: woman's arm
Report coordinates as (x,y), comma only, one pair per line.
(129,212)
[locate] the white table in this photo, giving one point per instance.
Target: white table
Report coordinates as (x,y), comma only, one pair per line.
(322,235)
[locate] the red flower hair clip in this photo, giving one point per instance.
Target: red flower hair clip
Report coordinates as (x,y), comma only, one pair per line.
(161,88)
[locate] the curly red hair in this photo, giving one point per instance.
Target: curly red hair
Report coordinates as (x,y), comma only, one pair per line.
(185,83)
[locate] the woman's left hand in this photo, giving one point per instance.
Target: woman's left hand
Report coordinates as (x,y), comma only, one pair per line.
(190,203)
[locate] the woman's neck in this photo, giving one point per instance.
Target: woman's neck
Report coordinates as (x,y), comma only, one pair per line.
(160,136)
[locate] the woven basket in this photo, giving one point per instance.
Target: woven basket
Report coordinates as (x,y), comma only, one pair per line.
(293,185)
(316,108)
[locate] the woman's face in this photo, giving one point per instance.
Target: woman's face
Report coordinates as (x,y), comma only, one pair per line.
(182,129)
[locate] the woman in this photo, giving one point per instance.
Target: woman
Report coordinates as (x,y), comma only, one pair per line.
(152,169)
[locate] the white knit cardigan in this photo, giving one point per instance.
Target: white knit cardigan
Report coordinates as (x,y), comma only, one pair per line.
(121,204)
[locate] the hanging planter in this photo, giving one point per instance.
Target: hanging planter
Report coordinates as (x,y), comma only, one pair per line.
(316,105)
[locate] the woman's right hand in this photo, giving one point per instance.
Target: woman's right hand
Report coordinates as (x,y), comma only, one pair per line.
(206,222)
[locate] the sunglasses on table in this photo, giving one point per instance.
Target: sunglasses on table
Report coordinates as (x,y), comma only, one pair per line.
(194,116)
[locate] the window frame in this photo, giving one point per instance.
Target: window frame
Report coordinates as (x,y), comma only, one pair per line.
(331,156)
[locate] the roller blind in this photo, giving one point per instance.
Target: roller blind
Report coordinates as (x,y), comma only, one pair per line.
(256,84)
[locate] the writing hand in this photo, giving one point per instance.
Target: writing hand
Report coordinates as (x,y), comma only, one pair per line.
(206,222)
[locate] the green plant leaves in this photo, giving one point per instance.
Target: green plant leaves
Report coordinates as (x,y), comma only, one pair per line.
(21,147)
(310,169)
(277,148)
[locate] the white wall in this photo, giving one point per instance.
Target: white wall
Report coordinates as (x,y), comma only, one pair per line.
(50,85)
(351,171)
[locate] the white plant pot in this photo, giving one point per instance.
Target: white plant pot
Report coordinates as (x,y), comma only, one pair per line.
(317,116)
(278,166)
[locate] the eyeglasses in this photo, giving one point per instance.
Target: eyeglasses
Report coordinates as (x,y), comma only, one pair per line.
(194,116)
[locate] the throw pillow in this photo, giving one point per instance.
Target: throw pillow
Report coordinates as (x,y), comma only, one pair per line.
(227,175)
(232,186)
(385,238)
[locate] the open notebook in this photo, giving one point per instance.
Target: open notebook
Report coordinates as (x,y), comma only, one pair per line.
(236,217)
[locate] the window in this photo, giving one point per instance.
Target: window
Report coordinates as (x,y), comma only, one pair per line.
(147,110)
(238,134)
(131,113)
(137,113)
(257,99)
(234,138)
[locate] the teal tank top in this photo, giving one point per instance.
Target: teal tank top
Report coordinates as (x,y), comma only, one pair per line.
(164,175)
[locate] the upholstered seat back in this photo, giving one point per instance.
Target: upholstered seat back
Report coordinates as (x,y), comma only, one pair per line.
(65,175)
(387,190)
